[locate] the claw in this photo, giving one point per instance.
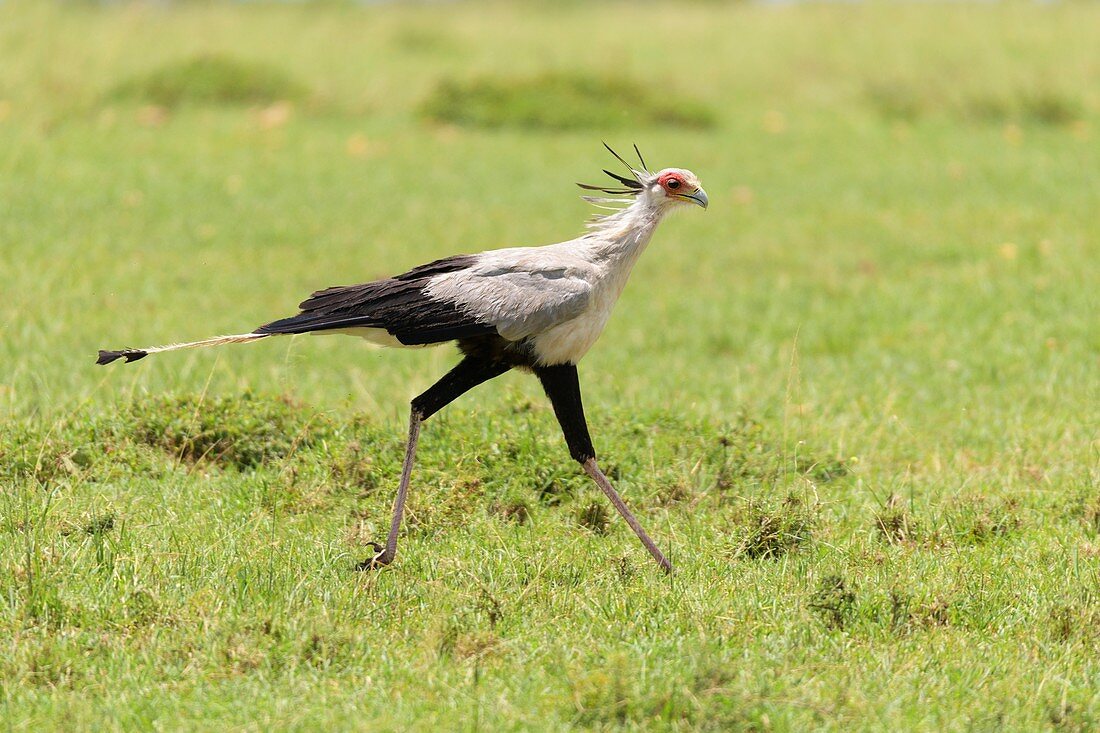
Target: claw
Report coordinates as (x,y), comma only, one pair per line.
(376,561)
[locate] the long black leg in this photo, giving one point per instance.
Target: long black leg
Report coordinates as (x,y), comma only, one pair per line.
(564,390)
(466,375)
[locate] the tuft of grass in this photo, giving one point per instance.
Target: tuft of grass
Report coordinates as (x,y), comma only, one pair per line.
(894,522)
(605,699)
(1085,508)
(212,79)
(354,467)
(979,519)
(236,431)
(1092,516)
(771,531)
(457,642)
(672,493)
(562,101)
(99,525)
(1075,621)
(516,512)
(834,602)
(594,517)
(908,613)
(1072,718)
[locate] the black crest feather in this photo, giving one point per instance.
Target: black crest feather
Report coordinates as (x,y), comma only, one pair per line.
(630,186)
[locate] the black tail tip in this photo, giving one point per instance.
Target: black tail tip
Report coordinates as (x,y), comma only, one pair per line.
(106,357)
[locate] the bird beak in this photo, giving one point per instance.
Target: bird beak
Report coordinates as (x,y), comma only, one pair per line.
(698,196)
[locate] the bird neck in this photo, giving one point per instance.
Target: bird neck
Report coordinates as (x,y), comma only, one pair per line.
(619,238)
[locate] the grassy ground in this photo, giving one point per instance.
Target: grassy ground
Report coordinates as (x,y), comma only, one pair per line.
(856,399)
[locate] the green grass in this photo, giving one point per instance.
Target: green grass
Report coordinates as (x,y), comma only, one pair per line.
(856,399)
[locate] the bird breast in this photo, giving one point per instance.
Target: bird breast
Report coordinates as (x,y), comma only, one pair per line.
(566,343)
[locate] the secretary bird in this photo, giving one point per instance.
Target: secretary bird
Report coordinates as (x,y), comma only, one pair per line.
(534,308)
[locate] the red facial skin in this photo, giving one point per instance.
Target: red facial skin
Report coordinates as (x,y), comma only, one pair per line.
(672,183)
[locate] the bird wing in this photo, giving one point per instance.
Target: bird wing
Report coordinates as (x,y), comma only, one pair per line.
(521,292)
(399,305)
(515,293)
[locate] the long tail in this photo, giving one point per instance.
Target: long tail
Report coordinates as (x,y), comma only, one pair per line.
(106,357)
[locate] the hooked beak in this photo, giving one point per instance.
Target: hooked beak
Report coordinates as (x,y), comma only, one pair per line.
(698,196)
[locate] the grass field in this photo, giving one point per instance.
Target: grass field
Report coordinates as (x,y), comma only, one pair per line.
(856,399)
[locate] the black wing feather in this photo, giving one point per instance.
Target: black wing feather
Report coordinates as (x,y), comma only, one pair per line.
(397,304)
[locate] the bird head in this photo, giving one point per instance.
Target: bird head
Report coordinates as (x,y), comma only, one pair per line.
(664,190)
(677,186)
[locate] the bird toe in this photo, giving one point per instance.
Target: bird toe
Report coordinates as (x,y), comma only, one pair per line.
(377,560)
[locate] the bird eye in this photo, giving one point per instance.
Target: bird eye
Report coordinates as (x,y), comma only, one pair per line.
(673,184)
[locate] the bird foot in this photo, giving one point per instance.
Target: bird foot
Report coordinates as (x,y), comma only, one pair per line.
(377,561)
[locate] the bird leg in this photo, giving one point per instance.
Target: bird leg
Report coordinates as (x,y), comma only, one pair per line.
(466,375)
(384,556)
(563,388)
